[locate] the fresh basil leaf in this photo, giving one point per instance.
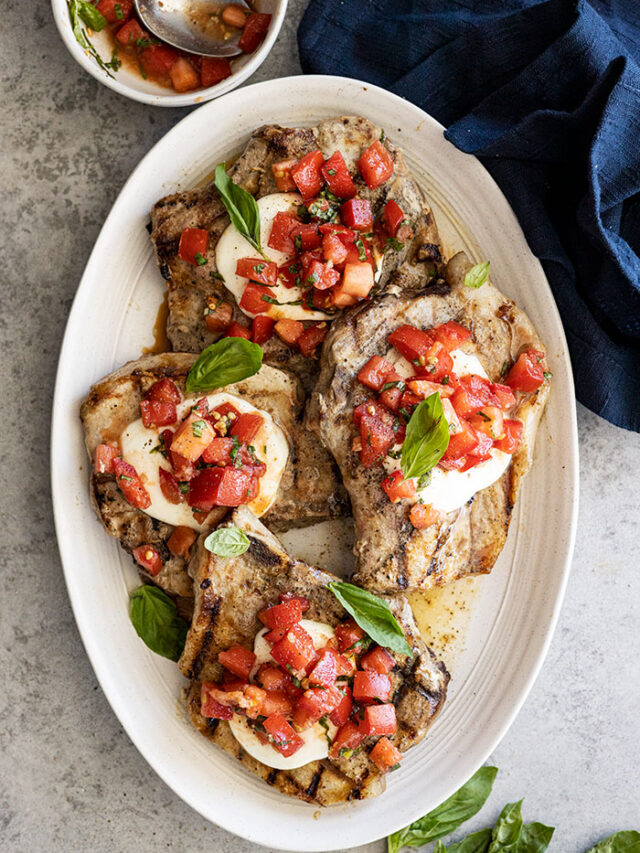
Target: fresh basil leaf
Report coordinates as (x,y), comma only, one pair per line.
(439,848)
(227,542)
(223,363)
(373,615)
(241,207)
(85,42)
(427,438)
(625,841)
(157,622)
(534,838)
(477,275)
(507,830)
(476,842)
(91,16)
(448,816)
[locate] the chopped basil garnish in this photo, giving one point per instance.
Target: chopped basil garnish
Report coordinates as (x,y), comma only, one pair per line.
(227,542)
(200,259)
(117,8)
(395,244)
(398,384)
(81,11)
(215,274)
(197,428)
(362,252)
(477,275)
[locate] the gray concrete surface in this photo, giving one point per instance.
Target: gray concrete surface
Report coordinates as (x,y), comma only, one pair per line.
(70,780)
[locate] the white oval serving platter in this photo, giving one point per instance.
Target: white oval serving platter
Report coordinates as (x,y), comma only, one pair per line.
(514,610)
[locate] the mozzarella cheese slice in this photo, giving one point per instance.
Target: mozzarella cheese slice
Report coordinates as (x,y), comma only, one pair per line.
(232,247)
(447,491)
(316,739)
(138,442)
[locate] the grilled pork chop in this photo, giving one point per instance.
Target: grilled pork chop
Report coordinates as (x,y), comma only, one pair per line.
(308,490)
(390,553)
(230,592)
(192,287)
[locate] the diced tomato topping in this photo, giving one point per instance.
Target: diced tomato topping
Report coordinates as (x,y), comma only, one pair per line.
(311,338)
(231,682)
(376,432)
(282,230)
(338,177)
(289,274)
(348,737)
(105,455)
(193,435)
(131,32)
(130,484)
(307,236)
(181,541)
(325,671)
(282,735)
(370,686)
(436,364)
(295,649)
(357,280)
(489,421)
(378,660)
(392,391)
(147,557)
(238,660)
(160,59)
(170,487)
(246,426)
(156,413)
(527,374)
(397,487)
(218,452)
(210,707)
(412,343)
(115,10)
(276,702)
(307,174)
(214,69)
(289,596)
(393,217)
(193,245)
(282,615)
(356,213)
(184,76)
(348,634)
(504,395)
(334,249)
(384,755)
(253,701)
(314,274)
(342,711)
(451,335)
(164,390)
(423,515)
(252,301)
(220,487)
(473,393)
(512,436)
(271,677)
(379,720)
(217,315)
(282,176)
(289,331)
(375,165)
(258,270)
(462,442)
(424,388)
(254,32)
(237,330)
(318,701)
(374,372)
(275,636)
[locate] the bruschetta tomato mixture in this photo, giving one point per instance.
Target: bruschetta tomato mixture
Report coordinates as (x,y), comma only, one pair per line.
(345,686)
(476,409)
(155,60)
(331,244)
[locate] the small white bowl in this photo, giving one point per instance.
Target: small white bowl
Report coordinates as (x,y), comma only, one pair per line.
(133,86)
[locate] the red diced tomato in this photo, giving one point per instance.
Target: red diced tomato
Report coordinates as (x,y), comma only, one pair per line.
(334,249)
(338,177)
(437,362)
(231,682)
(325,672)
(282,230)
(282,176)
(424,388)
(412,343)
(397,488)
(379,720)
(218,452)
(220,487)
(423,516)
(115,10)
(391,396)
(527,374)
(375,371)
(348,737)
(376,432)
(282,615)
(238,660)
(193,435)
(393,217)
(169,486)
(311,338)
(193,245)
(181,540)
(147,557)
(217,315)
(345,234)
(384,755)
(210,707)
(214,69)
(261,329)
(275,636)
(272,678)
(276,702)
(131,32)
(314,274)
(258,270)
(375,165)
(164,389)
(184,76)
(357,281)
(295,649)
(282,736)
(289,331)
(289,596)
(290,274)
(342,711)
(451,335)
(307,174)
(356,213)
(504,395)
(307,235)
(472,394)
(378,660)
(462,442)
(254,32)
(234,16)
(160,59)
(370,686)
(156,413)
(489,421)
(512,436)
(252,701)
(246,426)
(237,330)
(105,455)
(349,634)
(130,484)
(252,301)
(318,701)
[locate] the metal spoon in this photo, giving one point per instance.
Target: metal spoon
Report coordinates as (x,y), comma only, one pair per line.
(183,24)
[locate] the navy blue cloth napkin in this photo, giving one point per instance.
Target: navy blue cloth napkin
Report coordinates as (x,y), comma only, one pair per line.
(547,95)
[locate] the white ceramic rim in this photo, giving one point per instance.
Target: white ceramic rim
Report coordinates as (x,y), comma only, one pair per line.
(279,829)
(188,99)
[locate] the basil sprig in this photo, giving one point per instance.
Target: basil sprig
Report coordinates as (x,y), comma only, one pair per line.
(448,816)
(157,622)
(477,275)
(241,207)
(91,16)
(227,542)
(373,615)
(81,11)
(475,842)
(625,841)
(427,438)
(223,363)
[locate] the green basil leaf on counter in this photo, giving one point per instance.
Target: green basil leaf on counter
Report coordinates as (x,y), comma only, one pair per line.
(507,830)
(426,440)
(91,16)
(439,848)
(227,542)
(534,838)
(223,363)
(477,275)
(625,841)
(373,615)
(448,816)
(157,622)
(241,207)
(476,842)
